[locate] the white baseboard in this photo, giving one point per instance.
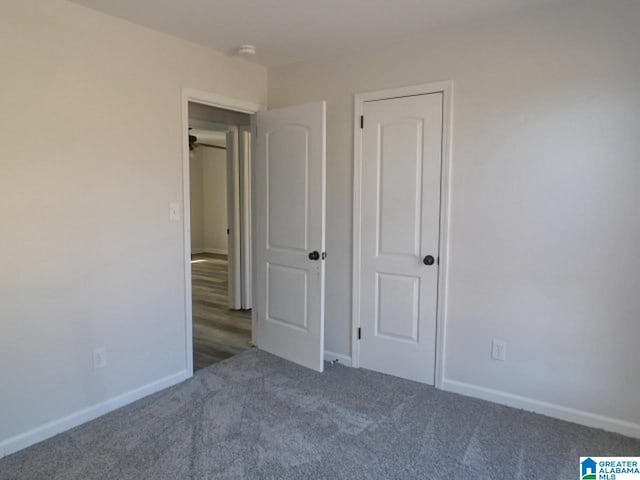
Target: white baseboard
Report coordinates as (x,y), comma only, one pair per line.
(38,434)
(221,251)
(342,359)
(550,409)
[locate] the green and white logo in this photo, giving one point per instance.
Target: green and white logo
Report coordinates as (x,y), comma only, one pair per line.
(609,468)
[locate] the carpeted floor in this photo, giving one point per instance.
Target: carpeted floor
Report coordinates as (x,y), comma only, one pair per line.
(257,416)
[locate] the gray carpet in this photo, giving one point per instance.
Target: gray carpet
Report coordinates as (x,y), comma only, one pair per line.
(257,416)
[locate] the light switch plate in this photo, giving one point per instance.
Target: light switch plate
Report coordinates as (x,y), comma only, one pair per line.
(99,358)
(499,350)
(174,211)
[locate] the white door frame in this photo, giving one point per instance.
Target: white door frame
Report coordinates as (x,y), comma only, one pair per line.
(233,219)
(244,150)
(212,100)
(446,88)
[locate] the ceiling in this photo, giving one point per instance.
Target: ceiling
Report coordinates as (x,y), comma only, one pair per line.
(289,31)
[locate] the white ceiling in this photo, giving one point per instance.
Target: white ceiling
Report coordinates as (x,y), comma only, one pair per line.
(288,31)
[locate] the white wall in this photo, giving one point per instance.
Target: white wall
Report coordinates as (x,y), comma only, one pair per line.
(88,256)
(208,178)
(196,201)
(214,187)
(545,231)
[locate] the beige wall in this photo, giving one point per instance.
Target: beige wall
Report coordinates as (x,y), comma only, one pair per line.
(544,213)
(88,256)
(214,186)
(209,200)
(544,217)
(196,201)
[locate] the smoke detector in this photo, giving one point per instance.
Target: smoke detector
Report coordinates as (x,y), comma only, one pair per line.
(247,50)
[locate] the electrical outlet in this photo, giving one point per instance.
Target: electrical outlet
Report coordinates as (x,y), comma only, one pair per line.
(99,358)
(498,350)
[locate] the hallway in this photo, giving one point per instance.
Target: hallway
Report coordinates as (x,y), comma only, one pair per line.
(218,332)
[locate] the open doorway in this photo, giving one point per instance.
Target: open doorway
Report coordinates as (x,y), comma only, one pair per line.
(276,220)
(220,232)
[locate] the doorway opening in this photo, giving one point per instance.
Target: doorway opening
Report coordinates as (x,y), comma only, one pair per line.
(220,232)
(276,220)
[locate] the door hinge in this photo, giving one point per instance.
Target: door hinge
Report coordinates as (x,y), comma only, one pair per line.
(361,121)
(359,333)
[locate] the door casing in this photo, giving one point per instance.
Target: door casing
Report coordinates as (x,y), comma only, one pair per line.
(212,100)
(245,191)
(446,88)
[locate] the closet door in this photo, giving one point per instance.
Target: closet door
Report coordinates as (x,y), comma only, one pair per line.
(401,163)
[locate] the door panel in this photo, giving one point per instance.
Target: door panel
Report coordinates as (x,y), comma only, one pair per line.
(288,177)
(397,309)
(289,224)
(399,174)
(287,292)
(401,163)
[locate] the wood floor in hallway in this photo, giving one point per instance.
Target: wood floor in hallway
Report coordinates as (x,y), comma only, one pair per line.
(218,332)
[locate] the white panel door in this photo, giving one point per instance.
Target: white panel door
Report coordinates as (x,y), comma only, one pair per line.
(289,209)
(401,164)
